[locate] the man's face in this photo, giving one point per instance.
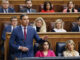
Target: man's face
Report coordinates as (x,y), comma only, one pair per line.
(29,4)
(14,22)
(5,4)
(25,21)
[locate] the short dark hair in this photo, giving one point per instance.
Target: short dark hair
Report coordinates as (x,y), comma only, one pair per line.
(13,17)
(45,4)
(22,16)
(41,48)
(78,18)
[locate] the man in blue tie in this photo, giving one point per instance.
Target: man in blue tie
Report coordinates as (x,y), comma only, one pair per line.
(21,41)
(5,7)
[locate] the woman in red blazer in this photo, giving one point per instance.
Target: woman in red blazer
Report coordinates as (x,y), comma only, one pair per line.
(47,7)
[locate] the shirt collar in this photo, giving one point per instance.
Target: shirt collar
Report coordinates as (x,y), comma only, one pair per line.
(23,27)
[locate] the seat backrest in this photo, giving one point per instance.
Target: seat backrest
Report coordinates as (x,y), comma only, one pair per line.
(60,47)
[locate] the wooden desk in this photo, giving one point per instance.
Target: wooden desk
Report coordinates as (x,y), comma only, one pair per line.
(53,38)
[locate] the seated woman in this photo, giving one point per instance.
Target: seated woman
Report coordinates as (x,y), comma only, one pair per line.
(70,8)
(47,7)
(70,51)
(40,25)
(45,50)
(59,26)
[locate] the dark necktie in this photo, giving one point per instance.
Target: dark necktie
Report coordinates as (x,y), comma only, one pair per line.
(25,33)
(5,10)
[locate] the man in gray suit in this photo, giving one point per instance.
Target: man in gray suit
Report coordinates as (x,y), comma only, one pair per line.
(28,8)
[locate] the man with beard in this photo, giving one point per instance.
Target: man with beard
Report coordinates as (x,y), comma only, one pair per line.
(28,8)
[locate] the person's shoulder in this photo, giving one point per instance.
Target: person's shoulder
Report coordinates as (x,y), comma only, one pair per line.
(17,28)
(30,27)
(34,10)
(65,10)
(64,30)
(52,11)
(75,10)
(74,25)
(38,51)
(11,8)
(1,9)
(76,51)
(42,10)
(51,51)
(23,10)
(8,26)
(64,52)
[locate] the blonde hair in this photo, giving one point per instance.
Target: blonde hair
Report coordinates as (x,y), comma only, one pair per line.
(69,42)
(43,27)
(62,23)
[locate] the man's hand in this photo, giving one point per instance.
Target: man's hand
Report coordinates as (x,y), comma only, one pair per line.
(24,49)
(45,37)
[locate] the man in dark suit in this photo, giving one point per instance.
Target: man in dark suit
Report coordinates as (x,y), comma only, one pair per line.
(28,8)
(5,7)
(21,41)
(76,26)
(8,28)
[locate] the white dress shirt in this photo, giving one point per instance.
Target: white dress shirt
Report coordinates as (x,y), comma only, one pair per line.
(5,11)
(23,29)
(12,28)
(59,30)
(23,32)
(79,28)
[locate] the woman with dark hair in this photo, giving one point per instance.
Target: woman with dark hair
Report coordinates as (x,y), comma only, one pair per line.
(70,8)
(47,7)
(44,50)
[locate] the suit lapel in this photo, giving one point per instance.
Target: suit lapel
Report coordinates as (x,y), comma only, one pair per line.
(78,28)
(21,32)
(2,10)
(10,29)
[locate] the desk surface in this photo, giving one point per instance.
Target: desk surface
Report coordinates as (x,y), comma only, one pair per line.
(48,58)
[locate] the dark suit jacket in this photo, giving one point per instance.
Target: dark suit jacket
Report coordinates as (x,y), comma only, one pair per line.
(78,9)
(17,39)
(75,28)
(52,31)
(10,10)
(25,10)
(6,29)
